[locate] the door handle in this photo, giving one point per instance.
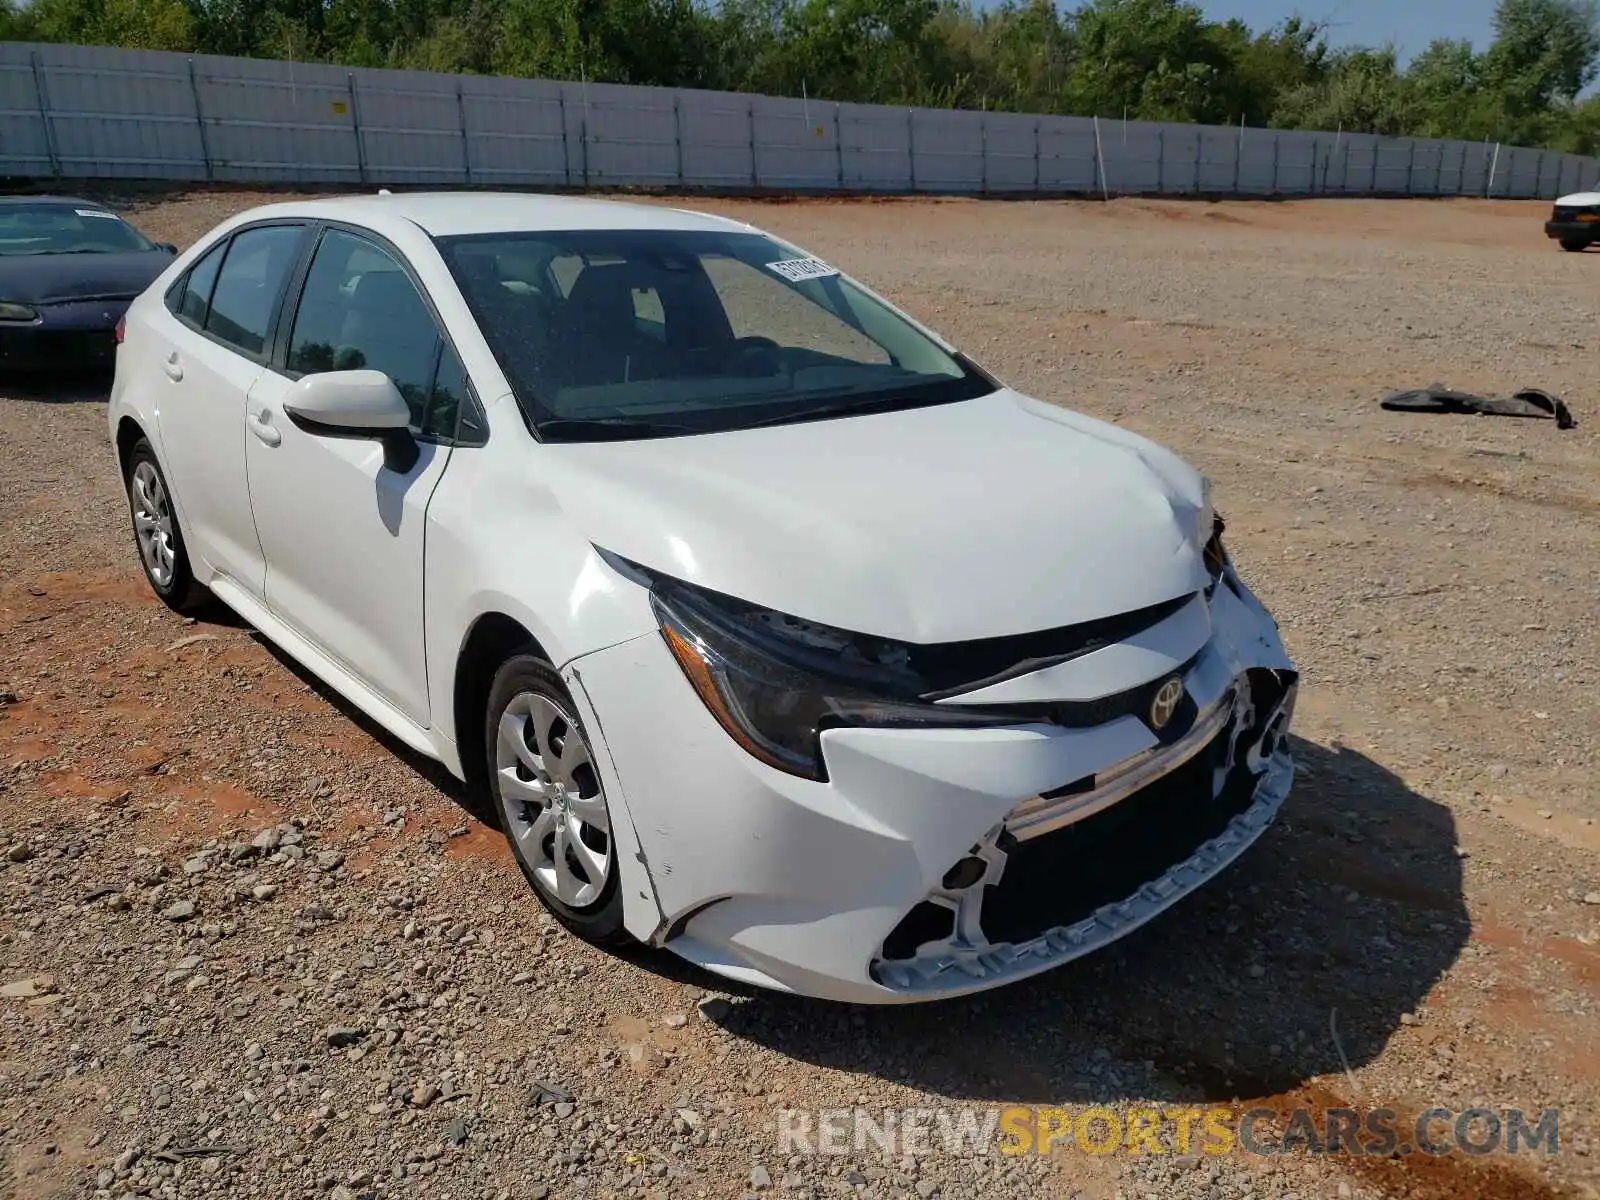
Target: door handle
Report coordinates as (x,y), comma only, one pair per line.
(261,425)
(173,368)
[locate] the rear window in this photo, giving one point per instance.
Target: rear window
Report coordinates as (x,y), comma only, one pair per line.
(31,229)
(250,285)
(190,297)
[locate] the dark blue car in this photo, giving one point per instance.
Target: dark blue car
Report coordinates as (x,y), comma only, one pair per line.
(68,270)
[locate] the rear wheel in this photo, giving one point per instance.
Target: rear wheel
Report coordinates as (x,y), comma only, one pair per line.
(1574,245)
(550,800)
(155,530)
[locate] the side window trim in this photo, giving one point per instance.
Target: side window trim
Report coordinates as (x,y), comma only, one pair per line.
(294,294)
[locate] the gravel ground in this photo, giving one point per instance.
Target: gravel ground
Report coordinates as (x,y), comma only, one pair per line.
(252,948)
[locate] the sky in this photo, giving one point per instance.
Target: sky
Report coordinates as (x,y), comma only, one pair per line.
(1411,24)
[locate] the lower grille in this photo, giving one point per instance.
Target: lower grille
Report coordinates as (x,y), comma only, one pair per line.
(1065,876)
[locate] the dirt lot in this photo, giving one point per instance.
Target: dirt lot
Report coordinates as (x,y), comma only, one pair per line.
(1434,880)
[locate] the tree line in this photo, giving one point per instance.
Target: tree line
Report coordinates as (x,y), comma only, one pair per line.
(1144,59)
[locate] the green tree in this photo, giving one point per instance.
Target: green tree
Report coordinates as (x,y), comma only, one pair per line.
(1447,93)
(1266,65)
(1153,59)
(1544,53)
(143,24)
(1581,128)
(1361,92)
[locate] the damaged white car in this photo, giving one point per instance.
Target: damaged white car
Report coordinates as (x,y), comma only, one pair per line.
(776,632)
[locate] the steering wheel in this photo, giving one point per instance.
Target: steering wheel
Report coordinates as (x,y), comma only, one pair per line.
(755,356)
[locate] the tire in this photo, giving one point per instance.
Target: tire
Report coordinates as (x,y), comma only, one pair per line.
(156,534)
(550,800)
(1574,245)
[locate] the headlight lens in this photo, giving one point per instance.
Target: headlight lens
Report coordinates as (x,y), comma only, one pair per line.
(16,312)
(1215,554)
(775,683)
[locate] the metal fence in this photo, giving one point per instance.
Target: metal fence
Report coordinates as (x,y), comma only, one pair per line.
(102,112)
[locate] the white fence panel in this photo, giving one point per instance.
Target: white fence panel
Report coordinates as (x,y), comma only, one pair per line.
(877,148)
(630,135)
(94,111)
(1067,159)
(519,136)
(950,154)
(796,144)
(1011,152)
(411,127)
(25,148)
(718,140)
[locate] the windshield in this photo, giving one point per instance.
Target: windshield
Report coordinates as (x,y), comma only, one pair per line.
(65,229)
(641,333)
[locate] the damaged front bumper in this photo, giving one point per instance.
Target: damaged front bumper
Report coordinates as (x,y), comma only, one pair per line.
(937,862)
(1114,857)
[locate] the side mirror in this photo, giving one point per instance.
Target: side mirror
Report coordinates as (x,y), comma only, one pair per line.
(356,404)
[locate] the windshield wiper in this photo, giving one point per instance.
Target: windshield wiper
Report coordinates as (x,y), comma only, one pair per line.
(842,408)
(607,429)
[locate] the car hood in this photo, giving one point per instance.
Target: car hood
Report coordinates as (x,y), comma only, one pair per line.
(1579,200)
(53,278)
(981,518)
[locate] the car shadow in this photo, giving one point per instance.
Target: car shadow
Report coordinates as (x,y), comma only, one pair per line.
(79,386)
(431,770)
(1348,911)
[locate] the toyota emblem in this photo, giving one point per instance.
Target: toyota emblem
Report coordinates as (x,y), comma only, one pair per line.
(1166,703)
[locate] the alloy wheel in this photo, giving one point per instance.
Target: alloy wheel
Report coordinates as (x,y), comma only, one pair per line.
(152,523)
(551,799)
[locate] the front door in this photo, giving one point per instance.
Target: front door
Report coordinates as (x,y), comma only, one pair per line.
(342,533)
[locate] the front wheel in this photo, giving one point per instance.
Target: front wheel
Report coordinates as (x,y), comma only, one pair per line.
(550,800)
(1574,245)
(155,530)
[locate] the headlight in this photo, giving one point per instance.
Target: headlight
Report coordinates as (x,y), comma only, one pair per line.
(16,312)
(1215,554)
(775,682)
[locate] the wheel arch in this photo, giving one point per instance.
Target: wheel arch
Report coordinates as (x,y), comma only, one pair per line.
(129,435)
(492,638)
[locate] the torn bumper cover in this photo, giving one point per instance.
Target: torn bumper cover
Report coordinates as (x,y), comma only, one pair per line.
(937,862)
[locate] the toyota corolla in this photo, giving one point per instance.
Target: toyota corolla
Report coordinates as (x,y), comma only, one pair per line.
(777,632)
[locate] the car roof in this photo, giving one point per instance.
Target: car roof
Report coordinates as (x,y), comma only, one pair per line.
(451,214)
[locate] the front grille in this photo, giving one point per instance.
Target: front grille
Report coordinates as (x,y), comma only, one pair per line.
(1064,876)
(1568,212)
(1135,702)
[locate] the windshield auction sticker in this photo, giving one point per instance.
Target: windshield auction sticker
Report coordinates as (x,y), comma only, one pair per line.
(798,270)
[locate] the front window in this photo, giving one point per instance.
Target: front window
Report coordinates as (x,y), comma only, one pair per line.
(641,333)
(28,229)
(360,311)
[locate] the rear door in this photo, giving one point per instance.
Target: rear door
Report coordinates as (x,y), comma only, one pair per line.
(342,533)
(215,333)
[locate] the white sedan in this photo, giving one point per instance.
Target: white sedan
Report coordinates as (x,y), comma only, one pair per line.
(1575,221)
(779,633)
